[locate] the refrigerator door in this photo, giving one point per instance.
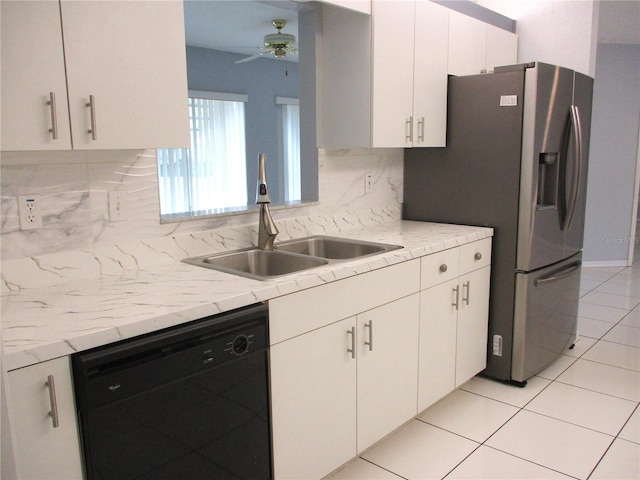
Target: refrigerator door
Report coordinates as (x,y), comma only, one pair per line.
(581,126)
(546,126)
(545,317)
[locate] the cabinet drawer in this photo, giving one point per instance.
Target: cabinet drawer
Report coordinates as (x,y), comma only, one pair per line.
(316,307)
(475,255)
(439,267)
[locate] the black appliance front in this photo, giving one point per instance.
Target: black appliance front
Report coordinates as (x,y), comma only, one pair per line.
(189,402)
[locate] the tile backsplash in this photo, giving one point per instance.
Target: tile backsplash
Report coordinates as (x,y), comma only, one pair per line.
(74,186)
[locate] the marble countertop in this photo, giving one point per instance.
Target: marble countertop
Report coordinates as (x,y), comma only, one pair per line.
(44,323)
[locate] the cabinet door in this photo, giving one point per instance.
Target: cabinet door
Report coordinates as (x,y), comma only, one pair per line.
(130,56)
(387,368)
(502,48)
(313,401)
(473,321)
(392,73)
(430,75)
(438,324)
(42,451)
(467,44)
(32,70)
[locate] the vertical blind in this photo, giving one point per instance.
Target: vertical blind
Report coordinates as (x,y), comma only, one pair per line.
(211,175)
(290,110)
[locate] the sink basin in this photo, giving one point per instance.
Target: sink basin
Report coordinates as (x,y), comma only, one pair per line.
(333,248)
(257,264)
(289,257)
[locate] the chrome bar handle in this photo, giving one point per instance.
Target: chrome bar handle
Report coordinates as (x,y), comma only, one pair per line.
(92,109)
(466,286)
(576,126)
(352,350)
(421,130)
(409,129)
(52,400)
(369,325)
(456,302)
(54,116)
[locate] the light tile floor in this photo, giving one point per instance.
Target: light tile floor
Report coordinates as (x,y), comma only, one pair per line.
(580,418)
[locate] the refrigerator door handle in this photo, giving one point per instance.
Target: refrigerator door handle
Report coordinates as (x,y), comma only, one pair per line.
(558,274)
(576,128)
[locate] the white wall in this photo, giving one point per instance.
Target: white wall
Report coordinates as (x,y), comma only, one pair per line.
(560,32)
(565,32)
(613,156)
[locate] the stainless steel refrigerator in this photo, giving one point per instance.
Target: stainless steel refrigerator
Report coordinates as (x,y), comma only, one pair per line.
(515,160)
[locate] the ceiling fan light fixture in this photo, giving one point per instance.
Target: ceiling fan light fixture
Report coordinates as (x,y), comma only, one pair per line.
(277,39)
(280,43)
(276,44)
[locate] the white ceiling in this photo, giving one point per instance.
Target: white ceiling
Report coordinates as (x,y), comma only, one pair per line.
(237,26)
(619,22)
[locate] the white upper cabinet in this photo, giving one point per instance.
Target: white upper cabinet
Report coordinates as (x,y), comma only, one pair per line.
(125,71)
(384,77)
(430,75)
(476,47)
(130,56)
(409,74)
(32,74)
(502,47)
(393,33)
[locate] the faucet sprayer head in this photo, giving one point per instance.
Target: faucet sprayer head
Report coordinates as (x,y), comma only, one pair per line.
(262,193)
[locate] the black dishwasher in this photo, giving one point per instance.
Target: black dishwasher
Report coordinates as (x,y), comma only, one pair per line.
(188,402)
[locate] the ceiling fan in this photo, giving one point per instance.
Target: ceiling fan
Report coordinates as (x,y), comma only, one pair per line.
(276,44)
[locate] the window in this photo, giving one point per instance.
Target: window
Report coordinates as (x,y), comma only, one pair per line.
(290,151)
(210,177)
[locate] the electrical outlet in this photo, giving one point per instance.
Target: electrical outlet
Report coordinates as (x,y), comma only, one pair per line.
(30,211)
(368,182)
(117,206)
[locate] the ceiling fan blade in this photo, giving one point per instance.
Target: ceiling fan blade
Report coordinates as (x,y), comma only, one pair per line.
(248,59)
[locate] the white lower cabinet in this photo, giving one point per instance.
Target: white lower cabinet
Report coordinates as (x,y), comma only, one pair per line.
(337,390)
(41,450)
(387,357)
(454,310)
(438,328)
(313,402)
(339,387)
(473,314)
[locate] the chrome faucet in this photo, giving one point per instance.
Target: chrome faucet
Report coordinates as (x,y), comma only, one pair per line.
(267,229)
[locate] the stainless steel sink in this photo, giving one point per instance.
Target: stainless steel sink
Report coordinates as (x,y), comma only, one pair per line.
(289,257)
(257,264)
(334,248)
